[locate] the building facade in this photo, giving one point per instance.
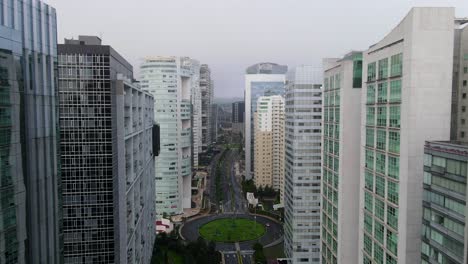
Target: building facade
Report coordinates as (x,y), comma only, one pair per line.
(303,117)
(169,80)
(214,123)
(207,92)
(262,79)
(459,126)
(196,116)
(238,112)
(405,101)
(340,162)
(30,184)
(444,238)
(269,143)
(107,158)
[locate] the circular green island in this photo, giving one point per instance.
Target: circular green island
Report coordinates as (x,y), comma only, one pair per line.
(231,230)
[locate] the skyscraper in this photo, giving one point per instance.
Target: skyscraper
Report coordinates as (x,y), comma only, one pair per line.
(340,163)
(269,143)
(196,115)
(30,184)
(262,79)
(214,122)
(171,80)
(206,88)
(303,116)
(405,101)
(444,238)
(238,112)
(459,129)
(106,124)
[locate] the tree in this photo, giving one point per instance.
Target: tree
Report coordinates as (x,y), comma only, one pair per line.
(259,256)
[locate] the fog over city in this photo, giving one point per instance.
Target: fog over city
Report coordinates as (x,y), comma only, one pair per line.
(232,35)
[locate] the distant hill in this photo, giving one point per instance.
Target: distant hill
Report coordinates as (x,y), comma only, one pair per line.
(228,100)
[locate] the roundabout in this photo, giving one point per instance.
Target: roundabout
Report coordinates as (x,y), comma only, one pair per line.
(244,229)
(232,230)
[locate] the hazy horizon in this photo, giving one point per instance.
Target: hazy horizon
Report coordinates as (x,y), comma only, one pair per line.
(229,36)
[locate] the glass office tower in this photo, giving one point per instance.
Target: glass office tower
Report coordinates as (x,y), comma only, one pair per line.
(444,203)
(30,217)
(302,174)
(262,79)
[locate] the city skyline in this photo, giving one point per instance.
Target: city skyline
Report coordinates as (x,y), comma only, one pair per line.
(219,32)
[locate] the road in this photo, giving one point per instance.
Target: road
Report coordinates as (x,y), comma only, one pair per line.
(234,198)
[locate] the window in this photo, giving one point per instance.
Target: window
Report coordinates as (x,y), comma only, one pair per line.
(381,139)
(326,84)
(394,141)
(392,241)
(371,72)
(369,159)
(439,161)
(382,92)
(370,93)
(427,160)
(380,186)
(368,223)
(368,201)
(456,167)
(392,217)
(395,91)
(380,163)
(378,254)
(396,67)
(465,69)
(368,244)
(370,137)
(379,232)
(337,81)
(369,181)
(427,177)
(394,118)
(370,116)
(379,209)
(464,83)
(357,73)
(383,68)
(382,116)
(392,192)
(393,167)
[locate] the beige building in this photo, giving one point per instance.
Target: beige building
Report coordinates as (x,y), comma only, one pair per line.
(269,143)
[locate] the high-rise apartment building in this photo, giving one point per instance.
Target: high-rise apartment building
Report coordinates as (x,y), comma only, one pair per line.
(238,112)
(196,115)
(341,159)
(405,101)
(444,239)
(107,158)
(262,79)
(30,209)
(214,122)
(206,88)
(303,117)
(269,143)
(170,81)
(459,130)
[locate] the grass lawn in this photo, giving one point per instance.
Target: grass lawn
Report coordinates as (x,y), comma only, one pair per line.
(231,230)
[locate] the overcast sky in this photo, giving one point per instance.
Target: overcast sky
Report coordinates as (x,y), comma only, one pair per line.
(230,35)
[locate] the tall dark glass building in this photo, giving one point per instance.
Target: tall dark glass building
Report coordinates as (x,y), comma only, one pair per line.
(30,219)
(106,129)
